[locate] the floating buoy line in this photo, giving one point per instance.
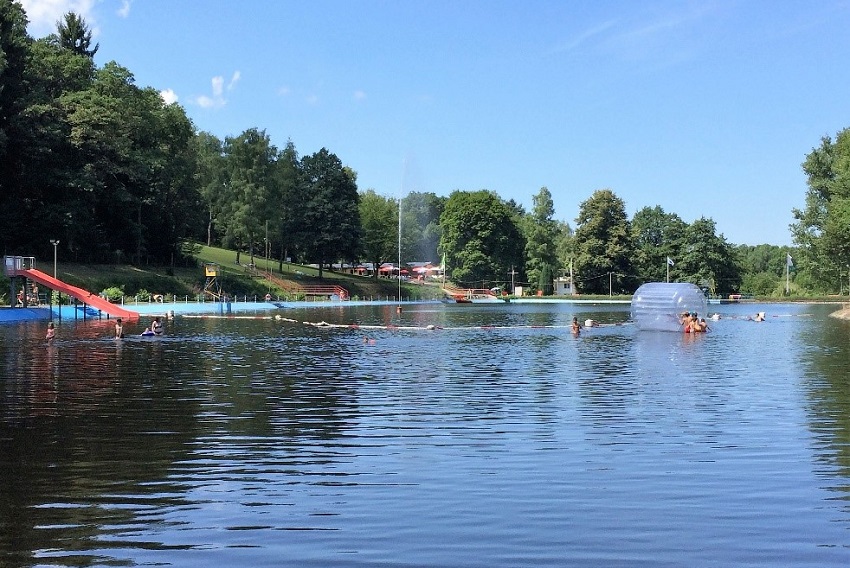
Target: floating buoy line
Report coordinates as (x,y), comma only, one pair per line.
(393,327)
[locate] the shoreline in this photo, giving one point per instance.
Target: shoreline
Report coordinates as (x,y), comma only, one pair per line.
(171,309)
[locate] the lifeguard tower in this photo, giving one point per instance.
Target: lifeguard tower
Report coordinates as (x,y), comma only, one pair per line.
(212,287)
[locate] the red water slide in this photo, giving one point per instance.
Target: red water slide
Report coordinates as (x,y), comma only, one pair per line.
(84,296)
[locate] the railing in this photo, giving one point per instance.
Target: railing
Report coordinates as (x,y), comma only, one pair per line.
(12,265)
(468,292)
(330,290)
(308,290)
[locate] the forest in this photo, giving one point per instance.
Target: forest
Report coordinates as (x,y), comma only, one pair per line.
(119,176)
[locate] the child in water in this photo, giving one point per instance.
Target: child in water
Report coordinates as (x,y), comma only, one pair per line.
(51,332)
(119,329)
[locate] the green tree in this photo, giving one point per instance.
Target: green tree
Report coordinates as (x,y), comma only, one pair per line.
(657,236)
(73,33)
(288,218)
(249,189)
(330,209)
(132,164)
(14,51)
(420,226)
(820,229)
(565,244)
(763,268)
(209,176)
(541,234)
(760,284)
(379,218)
(480,238)
(764,258)
(603,245)
(708,260)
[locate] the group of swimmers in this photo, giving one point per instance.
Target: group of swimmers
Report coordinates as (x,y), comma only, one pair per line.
(154,329)
(576,327)
(691,323)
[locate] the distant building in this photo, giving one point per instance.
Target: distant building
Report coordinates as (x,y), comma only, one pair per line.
(564,286)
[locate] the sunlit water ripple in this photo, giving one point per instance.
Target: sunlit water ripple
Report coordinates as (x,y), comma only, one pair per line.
(496,439)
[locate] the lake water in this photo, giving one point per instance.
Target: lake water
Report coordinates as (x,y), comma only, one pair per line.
(495,440)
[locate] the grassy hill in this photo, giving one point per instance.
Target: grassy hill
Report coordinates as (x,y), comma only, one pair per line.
(236,279)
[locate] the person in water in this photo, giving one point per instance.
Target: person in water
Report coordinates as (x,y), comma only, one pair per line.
(147,332)
(576,327)
(119,329)
(156,326)
(51,332)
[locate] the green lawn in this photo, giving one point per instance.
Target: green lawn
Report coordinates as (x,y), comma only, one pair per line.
(235,279)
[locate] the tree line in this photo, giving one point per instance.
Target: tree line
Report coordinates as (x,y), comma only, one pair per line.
(118,175)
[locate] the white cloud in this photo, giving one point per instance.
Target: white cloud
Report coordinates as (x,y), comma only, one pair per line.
(169,96)
(585,36)
(312,99)
(208,102)
(43,14)
(124,10)
(359,95)
(233,80)
(217,85)
(217,99)
(284,91)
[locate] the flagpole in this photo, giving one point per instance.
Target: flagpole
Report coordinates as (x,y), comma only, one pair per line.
(668,270)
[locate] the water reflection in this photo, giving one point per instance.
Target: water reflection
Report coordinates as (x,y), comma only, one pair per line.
(82,440)
(494,439)
(824,358)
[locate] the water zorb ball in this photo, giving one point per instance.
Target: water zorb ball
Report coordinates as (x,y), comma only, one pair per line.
(659,305)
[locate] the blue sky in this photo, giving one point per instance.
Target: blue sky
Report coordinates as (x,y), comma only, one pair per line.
(706,108)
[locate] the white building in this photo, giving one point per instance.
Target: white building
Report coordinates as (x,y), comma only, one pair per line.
(564,286)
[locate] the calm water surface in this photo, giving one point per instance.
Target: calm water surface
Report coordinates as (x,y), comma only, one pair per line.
(496,440)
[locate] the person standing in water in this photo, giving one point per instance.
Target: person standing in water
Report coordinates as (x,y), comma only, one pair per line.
(576,327)
(119,329)
(156,326)
(51,332)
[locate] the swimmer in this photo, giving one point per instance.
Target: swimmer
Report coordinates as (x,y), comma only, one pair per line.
(759,317)
(156,326)
(147,332)
(687,322)
(51,332)
(575,327)
(119,329)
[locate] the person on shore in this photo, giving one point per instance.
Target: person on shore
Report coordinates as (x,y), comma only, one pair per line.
(119,329)
(51,332)
(156,326)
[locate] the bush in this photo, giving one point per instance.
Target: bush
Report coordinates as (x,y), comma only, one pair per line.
(761,284)
(113,294)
